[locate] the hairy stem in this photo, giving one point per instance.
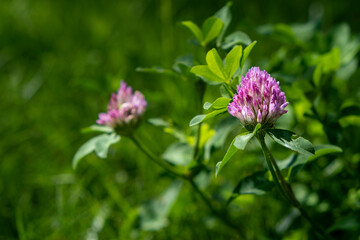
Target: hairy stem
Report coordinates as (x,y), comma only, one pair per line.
(285,187)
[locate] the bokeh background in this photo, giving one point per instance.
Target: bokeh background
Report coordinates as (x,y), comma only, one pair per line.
(59,61)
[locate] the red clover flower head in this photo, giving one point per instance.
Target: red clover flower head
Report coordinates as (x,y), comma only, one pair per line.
(258,100)
(124,109)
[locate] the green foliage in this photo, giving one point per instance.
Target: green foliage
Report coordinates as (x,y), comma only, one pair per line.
(210,30)
(239,143)
(224,15)
(216,71)
(153,214)
(295,162)
(254,184)
(236,38)
(100,144)
(232,61)
(289,140)
(219,103)
(203,117)
(59,65)
(247,51)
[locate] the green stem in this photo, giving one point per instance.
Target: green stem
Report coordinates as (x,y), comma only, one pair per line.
(223,217)
(175,171)
(201,87)
(270,166)
(285,188)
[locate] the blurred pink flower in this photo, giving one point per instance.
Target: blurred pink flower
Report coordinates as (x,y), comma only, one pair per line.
(124,108)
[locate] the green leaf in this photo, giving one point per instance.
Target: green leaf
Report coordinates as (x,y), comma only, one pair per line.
(322,150)
(236,38)
(183,64)
(194,29)
(349,223)
(157,70)
(229,153)
(207,105)
(205,73)
(284,33)
(295,159)
(178,153)
(197,119)
(216,64)
(219,103)
(241,141)
(247,51)
(225,92)
(353,110)
(304,31)
(153,214)
(254,184)
(211,29)
(238,143)
(225,16)
(232,61)
(325,64)
(99,144)
(103,144)
(289,140)
(298,161)
(201,118)
(317,75)
(158,122)
(222,130)
(97,128)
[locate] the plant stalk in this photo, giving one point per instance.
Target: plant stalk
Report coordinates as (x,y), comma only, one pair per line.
(184,175)
(285,187)
(170,168)
(201,88)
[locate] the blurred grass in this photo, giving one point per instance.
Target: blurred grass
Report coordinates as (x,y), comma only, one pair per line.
(59,61)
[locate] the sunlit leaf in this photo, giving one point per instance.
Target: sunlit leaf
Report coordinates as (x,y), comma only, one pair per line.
(232,61)
(99,144)
(97,128)
(215,64)
(204,72)
(238,143)
(219,103)
(211,29)
(289,140)
(158,122)
(246,53)
(200,118)
(102,145)
(194,29)
(222,130)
